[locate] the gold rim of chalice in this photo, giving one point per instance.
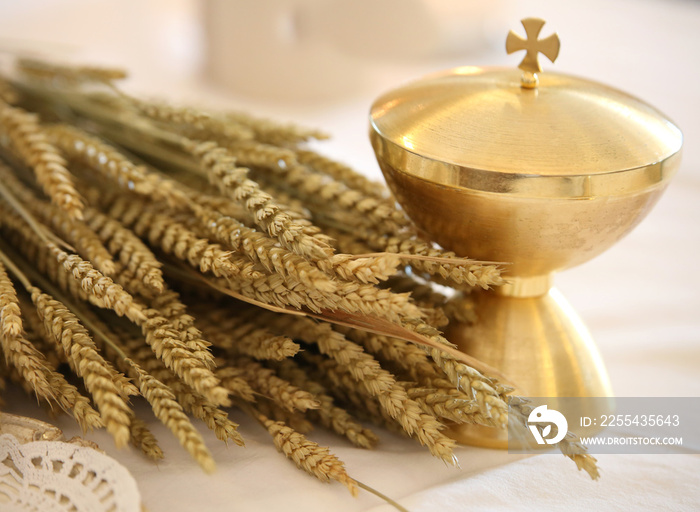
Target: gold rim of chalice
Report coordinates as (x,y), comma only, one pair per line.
(478,129)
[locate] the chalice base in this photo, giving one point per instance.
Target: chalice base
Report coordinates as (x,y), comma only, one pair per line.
(540,343)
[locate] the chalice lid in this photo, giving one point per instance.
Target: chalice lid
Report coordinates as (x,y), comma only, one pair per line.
(487,128)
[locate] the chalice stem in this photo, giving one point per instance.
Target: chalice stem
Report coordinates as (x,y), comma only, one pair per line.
(530,333)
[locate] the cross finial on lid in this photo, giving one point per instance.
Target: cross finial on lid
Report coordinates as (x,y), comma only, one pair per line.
(549,46)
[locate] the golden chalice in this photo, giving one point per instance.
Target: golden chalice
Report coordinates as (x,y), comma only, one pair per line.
(544,171)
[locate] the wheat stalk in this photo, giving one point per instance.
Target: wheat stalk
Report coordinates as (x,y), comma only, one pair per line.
(307,455)
(328,414)
(75,232)
(271,132)
(28,140)
(100,378)
(239,336)
(19,353)
(266,382)
(81,147)
(30,365)
(233,182)
(362,366)
(215,418)
(400,353)
(143,439)
(232,380)
(396,403)
(128,249)
(342,173)
(166,345)
(170,413)
(69,75)
(174,238)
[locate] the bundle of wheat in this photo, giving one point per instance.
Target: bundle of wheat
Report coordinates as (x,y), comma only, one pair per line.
(187,257)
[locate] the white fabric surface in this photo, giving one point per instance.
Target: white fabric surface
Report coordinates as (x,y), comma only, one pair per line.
(640,299)
(629,482)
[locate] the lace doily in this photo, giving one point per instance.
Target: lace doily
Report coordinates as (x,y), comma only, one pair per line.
(53,476)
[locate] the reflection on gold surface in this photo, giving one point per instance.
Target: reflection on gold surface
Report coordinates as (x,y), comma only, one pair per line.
(543,178)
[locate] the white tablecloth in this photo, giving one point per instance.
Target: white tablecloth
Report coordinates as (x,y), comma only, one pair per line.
(640,299)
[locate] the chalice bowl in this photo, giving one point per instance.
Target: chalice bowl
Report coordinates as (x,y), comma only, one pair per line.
(540,170)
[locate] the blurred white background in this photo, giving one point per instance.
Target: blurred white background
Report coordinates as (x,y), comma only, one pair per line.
(312,59)
(321,63)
